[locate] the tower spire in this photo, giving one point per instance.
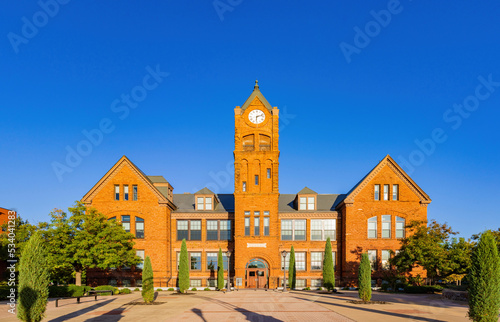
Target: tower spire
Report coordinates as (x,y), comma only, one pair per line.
(256,86)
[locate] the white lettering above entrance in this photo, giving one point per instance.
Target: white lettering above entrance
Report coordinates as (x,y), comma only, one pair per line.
(256,245)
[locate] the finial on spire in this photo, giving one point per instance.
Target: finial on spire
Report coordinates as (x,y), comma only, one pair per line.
(256,86)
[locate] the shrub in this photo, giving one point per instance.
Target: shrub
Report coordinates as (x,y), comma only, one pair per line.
(68,290)
(33,281)
(206,289)
(365,278)
(171,289)
(424,289)
(159,290)
(4,292)
(148,291)
(194,289)
(183,268)
(108,288)
(484,280)
(220,271)
(136,289)
(306,288)
(328,270)
(125,291)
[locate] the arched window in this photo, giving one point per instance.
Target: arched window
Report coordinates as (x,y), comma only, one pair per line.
(248,142)
(139,227)
(372,227)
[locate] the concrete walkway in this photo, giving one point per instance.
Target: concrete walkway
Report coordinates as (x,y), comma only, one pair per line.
(262,306)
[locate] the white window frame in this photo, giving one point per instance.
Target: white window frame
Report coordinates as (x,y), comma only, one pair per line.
(400,227)
(386,226)
(323,226)
(294,222)
(373,222)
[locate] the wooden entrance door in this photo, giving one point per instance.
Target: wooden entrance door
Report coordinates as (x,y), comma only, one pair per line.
(256,278)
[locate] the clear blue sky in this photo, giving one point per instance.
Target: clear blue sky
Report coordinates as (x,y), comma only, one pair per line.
(356,83)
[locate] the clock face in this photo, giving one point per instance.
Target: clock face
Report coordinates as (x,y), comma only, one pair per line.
(256,116)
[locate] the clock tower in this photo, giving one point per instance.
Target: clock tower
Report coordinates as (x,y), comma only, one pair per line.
(256,192)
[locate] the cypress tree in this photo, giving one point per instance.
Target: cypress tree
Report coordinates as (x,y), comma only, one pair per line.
(328,270)
(148,290)
(183,268)
(484,280)
(365,278)
(34,281)
(220,271)
(292,270)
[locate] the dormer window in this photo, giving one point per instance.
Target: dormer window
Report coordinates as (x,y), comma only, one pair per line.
(307,203)
(204,203)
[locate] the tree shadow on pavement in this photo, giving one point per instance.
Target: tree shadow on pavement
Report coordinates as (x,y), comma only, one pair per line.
(81,312)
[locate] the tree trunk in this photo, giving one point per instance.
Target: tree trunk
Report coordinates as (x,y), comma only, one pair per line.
(78,277)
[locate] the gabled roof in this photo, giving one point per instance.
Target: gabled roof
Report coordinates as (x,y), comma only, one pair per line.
(204,191)
(157,179)
(256,94)
(387,161)
(307,191)
(324,203)
(122,162)
(186,203)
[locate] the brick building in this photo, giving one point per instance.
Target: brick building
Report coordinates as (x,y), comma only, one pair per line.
(256,222)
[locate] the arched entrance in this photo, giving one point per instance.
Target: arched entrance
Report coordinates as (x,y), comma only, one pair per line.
(257,274)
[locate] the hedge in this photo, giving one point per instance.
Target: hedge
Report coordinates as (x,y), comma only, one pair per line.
(424,289)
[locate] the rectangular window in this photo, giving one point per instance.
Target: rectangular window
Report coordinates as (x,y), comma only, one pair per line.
(195,261)
(212,261)
(300,261)
(212,230)
(126,223)
(139,227)
(256,180)
(225,229)
(125,192)
(201,203)
(372,255)
(117,192)
(310,203)
(377,192)
(134,193)
(140,253)
(300,283)
(321,229)
(317,283)
(386,226)
(386,255)
(303,203)
(247,225)
(194,283)
(266,226)
(386,192)
(372,227)
(400,227)
(208,203)
(317,260)
(293,229)
(244,186)
(269,173)
(256,225)
(395,192)
(189,229)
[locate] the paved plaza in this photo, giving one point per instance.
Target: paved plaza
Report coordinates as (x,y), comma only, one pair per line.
(249,305)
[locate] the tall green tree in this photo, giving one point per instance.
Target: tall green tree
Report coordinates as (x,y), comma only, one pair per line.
(21,231)
(148,289)
(484,280)
(183,268)
(86,239)
(328,269)
(365,278)
(426,246)
(33,280)
(220,270)
(292,270)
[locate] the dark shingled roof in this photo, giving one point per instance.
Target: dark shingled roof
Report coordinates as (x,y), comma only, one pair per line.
(326,202)
(185,203)
(157,179)
(163,191)
(307,191)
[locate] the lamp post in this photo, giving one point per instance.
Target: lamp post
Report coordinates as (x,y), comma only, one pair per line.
(228,254)
(284,253)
